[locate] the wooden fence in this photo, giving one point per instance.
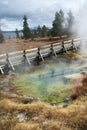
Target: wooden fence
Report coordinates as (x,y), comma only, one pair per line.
(10,60)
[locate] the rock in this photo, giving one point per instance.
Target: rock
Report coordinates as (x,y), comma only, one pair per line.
(22,117)
(66,100)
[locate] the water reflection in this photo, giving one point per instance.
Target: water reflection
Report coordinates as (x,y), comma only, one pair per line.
(57,73)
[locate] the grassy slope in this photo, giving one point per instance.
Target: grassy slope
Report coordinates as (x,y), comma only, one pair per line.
(16,115)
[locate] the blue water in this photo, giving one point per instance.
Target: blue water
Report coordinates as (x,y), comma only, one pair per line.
(11,34)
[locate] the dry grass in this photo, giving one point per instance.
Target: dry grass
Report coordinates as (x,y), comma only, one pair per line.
(7,124)
(19,112)
(54,125)
(27,126)
(42,116)
(11,45)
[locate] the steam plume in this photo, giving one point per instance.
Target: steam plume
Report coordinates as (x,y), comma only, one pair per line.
(81,26)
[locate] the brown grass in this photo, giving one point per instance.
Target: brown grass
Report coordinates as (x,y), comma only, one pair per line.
(11,45)
(19,112)
(27,126)
(80,89)
(42,116)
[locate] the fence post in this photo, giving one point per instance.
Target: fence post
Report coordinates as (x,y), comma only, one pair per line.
(26,59)
(63,48)
(37,59)
(72,46)
(40,55)
(24,55)
(52,52)
(7,59)
(9,63)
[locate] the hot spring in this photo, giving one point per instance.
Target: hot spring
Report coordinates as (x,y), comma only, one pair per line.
(47,81)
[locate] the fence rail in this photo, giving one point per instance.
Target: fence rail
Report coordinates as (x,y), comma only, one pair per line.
(10,60)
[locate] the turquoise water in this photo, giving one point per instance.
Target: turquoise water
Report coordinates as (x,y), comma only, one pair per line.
(47,81)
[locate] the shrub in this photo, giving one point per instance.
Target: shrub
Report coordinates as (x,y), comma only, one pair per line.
(73,96)
(77,92)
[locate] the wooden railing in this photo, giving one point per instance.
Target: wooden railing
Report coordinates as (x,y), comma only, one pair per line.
(12,59)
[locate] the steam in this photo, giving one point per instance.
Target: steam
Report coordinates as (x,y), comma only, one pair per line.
(81,26)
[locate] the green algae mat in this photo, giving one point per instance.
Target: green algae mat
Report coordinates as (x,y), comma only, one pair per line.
(47,82)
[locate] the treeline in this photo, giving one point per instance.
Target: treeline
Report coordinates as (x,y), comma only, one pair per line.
(1,37)
(61,25)
(34,33)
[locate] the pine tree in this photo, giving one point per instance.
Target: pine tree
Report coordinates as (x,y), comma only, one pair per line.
(1,37)
(17,33)
(26,30)
(70,22)
(34,34)
(57,29)
(39,31)
(44,31)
